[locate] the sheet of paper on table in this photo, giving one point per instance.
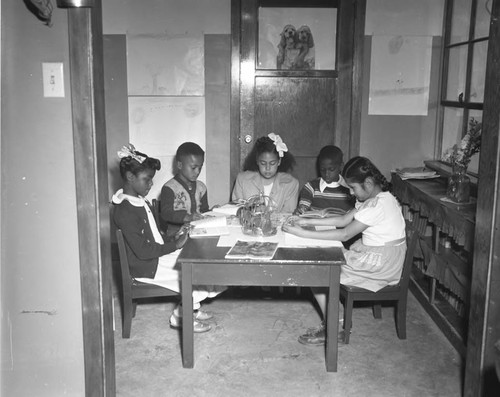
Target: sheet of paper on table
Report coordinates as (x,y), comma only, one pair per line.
(284,240)
(209,226)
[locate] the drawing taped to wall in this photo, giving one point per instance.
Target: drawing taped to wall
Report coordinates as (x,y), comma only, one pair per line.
(163,64)
(400,75)
(158,125)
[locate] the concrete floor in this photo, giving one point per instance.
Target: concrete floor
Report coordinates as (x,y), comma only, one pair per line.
(252,350)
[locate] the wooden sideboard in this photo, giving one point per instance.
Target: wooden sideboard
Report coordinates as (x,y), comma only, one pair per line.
(441,276)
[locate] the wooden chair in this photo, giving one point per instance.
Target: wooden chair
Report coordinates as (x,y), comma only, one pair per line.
(397,293)
(131,289)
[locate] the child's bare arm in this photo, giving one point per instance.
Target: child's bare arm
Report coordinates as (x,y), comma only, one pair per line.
(337,221)
(352,229)
(300,210)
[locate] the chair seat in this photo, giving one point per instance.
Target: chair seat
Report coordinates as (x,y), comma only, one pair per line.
(389,288)
(136,283)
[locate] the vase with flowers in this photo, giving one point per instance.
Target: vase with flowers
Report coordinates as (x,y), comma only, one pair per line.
(459,157)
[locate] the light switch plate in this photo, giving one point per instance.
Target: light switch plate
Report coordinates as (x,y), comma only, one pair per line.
(53,79)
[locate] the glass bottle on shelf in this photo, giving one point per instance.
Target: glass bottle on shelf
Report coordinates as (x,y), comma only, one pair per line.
(458,189)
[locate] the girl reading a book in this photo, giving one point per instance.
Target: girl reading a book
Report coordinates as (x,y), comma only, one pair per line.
(375,260)
(266,172)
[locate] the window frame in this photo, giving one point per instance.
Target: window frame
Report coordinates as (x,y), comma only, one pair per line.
(464,102)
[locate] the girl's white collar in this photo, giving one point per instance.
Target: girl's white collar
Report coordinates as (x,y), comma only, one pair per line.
(119,197)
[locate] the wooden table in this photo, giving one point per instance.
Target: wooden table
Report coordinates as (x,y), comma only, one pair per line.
(203,263)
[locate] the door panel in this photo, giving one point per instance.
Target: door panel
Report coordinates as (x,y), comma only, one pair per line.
(302,112)
(301,106)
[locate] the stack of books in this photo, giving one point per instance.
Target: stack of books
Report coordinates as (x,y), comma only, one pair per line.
(416,173)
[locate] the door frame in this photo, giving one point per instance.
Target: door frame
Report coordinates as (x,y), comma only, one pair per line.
(91,180)
(86,63)
(349,59)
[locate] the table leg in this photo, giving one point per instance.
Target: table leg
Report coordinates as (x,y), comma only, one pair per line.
(187,316)
(332,320)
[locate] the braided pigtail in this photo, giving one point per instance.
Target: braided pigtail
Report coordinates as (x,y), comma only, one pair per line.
(359,168)
(381,180)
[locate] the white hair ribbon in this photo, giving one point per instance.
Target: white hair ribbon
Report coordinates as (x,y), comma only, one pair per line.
(280,145)
(129,151)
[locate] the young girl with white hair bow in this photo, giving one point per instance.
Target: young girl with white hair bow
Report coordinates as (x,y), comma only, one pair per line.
(266,172)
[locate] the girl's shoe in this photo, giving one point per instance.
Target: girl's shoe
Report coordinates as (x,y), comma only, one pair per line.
(198,326)
(201,315)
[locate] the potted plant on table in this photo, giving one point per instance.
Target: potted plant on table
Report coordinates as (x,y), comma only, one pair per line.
(459,157)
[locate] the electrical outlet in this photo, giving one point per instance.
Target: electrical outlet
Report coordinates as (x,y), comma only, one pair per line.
(53,79)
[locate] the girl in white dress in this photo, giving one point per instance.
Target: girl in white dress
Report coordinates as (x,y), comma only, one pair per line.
(374,261)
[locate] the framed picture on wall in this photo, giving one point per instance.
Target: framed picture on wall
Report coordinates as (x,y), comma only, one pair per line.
(297,38)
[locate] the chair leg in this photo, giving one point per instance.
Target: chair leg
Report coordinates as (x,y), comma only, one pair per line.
(401,319)
(128,313)
(134,308)
(377,310)
(348,304)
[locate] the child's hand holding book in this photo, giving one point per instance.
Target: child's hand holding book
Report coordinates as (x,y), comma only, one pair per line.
(295,220)
(182,235)
(196,216)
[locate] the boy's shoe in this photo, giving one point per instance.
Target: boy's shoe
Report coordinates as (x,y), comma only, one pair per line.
(202,316)
(314,336)
(198,326)
(317,336)
(322,324)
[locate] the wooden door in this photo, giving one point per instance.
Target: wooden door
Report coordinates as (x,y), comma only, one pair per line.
(302,106)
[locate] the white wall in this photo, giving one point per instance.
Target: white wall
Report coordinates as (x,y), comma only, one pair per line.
(176,18)
(395,141)
(404,17)
(41,317)
(171,16)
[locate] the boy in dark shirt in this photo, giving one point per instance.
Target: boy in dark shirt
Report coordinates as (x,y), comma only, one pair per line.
(183,198)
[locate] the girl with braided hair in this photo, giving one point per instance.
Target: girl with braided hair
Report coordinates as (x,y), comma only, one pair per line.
(374,261)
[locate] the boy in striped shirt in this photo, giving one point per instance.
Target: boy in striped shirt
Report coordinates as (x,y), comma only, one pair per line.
(329,190)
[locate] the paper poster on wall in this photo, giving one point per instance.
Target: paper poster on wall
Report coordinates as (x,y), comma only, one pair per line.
(161,64)
(158,125)
(400,75)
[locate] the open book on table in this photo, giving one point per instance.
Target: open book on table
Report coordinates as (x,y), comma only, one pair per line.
(229,208)
(252,250)
(209,226)
(323,213)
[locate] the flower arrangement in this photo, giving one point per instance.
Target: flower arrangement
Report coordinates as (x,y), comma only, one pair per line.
(460,155)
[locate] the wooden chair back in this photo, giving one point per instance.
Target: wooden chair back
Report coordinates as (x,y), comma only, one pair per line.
(131,289)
